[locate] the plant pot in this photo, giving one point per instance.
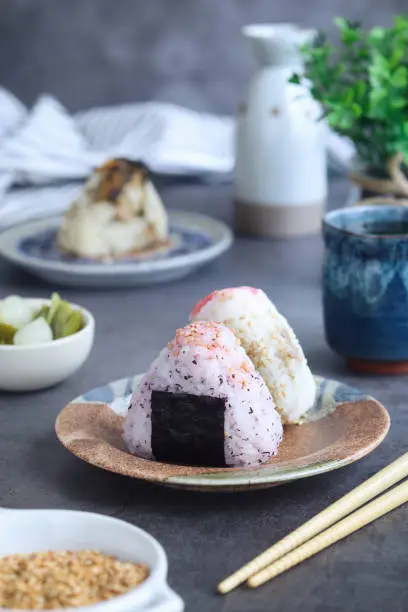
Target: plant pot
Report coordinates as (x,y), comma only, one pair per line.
(390,183)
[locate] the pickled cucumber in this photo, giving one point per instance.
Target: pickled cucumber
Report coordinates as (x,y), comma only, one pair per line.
(62,319)
(7,333)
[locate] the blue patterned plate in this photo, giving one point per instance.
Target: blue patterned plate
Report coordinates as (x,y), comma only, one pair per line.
(343,426)
(194,241)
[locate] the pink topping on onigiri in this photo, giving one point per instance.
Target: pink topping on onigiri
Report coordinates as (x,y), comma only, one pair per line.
(219,293)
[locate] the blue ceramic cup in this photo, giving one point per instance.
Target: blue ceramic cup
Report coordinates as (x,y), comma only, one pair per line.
(365,286)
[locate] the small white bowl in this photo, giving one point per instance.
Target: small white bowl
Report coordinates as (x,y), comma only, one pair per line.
(37,366)
(27,531)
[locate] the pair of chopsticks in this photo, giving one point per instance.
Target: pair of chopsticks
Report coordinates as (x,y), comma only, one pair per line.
(323,530)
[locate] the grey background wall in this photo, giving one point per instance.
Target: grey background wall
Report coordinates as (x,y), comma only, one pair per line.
(96,52)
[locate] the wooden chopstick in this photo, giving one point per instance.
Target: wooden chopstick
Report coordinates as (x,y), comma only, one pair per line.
(355,521)
(369,489)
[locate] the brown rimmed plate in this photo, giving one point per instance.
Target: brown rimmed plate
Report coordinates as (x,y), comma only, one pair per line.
(343,426)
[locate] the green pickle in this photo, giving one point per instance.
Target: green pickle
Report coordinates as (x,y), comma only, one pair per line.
(62,318)
(52,310)
(72,325)
(65,321)
(43,312)
(7,333)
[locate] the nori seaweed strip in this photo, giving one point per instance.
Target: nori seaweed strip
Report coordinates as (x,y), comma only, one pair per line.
(188,429)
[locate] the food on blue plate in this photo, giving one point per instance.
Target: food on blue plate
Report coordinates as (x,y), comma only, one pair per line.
(22,324)
(269,342)
(203,403)
(119,213)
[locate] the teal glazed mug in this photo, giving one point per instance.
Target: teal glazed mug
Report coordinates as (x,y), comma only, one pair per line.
(365,286)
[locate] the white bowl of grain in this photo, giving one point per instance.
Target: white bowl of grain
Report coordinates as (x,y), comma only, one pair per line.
(61,532)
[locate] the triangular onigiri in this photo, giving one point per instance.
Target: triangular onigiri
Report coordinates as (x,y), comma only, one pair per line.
(202,402)
(270,343)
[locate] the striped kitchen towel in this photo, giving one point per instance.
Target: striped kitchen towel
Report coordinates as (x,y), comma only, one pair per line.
(46,146)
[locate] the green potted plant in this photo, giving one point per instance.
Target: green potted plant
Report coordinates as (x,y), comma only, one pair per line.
(361,83)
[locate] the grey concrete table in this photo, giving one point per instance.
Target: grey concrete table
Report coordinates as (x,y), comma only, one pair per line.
(208,535)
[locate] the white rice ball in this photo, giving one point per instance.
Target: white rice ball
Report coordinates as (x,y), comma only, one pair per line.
(206,359)
(270,343)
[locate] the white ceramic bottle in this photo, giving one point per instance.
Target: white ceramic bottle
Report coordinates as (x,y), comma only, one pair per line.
(280,174)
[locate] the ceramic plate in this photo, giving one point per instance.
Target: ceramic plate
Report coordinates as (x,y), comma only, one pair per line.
(194,241)
(343,426)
